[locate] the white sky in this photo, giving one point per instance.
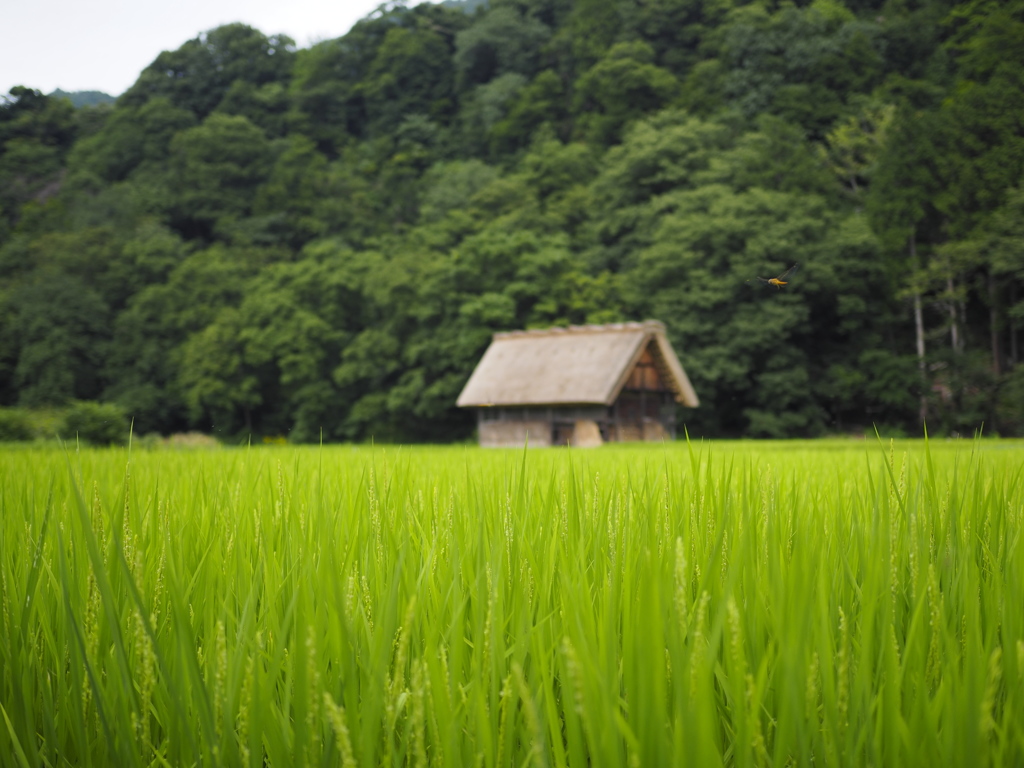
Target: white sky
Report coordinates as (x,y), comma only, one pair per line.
(103,45)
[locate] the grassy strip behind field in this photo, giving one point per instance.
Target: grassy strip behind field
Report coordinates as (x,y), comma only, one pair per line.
(734,604)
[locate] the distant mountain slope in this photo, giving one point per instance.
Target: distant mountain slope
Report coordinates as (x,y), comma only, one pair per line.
(81,99)
(466,6)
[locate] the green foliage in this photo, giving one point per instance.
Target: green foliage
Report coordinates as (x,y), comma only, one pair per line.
(314,242)
(799,63)
(265,106)
(1010,403)
(452,186)
(15,425)
(541,102)
(623,86)
(412,73)
(216,379)
(216,167)
(95,423)
(985,142)
(198,75)
(61,328)
(497,43)
(293,202)
(30,424)
(133,138)
(387,68)
(712,233)
(35,135)
(853,146)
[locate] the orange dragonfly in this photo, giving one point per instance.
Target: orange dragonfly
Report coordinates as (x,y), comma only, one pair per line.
(779,281)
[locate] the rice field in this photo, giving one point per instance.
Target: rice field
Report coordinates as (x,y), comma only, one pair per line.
(739,604)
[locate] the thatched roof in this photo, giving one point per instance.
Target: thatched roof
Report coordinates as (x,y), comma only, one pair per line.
(581,364)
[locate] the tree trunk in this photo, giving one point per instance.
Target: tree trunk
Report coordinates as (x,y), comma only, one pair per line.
(1013,326)
(954,335)
(919,333)
(963,321)
(993,325)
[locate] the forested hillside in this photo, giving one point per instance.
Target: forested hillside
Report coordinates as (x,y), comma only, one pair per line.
(259,238)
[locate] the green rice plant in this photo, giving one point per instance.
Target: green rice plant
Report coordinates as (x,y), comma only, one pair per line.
(735,604)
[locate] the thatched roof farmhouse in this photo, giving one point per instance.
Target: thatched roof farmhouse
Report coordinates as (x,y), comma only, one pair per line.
(581,385)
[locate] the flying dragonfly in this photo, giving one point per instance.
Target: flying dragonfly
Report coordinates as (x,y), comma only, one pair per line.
(779,281)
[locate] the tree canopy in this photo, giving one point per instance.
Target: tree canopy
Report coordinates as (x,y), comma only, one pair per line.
(319,242)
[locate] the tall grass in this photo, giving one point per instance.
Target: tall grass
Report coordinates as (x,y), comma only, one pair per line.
(734,604)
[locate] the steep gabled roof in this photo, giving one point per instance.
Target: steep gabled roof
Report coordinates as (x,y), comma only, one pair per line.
(581,364)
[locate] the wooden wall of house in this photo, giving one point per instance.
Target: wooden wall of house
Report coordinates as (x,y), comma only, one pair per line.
(514,434)
(547,413)
(646,374)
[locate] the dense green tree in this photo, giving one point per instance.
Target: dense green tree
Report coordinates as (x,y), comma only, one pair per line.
(853,146)
(293,202)
(156,367)
(9,347)
(412,73)
(263,105)
(298,318)
(451,186)
(680,31)
(133,138)
(689,211)
(984,154)
(199,74)
(36,133)
(215,169)
(624,85)
(220,388)
(912,35)
(589,29)
(341,88)
(499,42)
(552,168)
(326,103)
(1002,242)
(28,114)
(657,156)
(62,331)
(510,121)
(485,114)
(763,357)
(802,64)
(981,275)
(141,369)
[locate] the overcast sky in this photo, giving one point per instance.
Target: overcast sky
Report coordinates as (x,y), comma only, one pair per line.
(102,45)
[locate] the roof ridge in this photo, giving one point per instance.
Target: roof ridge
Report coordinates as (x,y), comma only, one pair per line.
(633,325)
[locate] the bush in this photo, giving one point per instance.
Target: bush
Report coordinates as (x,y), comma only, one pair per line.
(15,425)
(186,440)
(99,423)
